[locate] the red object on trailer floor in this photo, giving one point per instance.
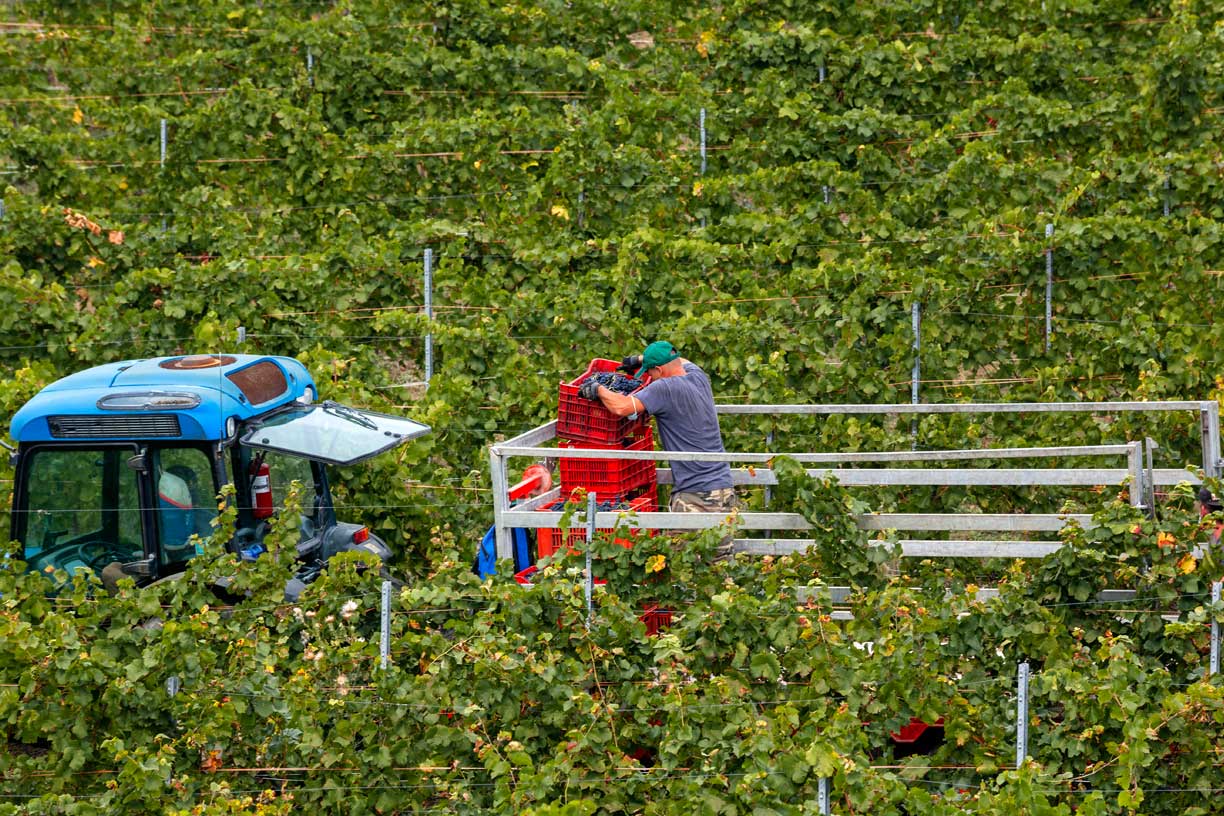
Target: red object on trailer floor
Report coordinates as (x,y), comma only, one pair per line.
(584,420)
(536,479)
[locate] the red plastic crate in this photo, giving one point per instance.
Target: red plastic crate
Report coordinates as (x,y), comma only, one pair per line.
(551,539)
(913,730)
(584,420)
(610,478)
(656,619)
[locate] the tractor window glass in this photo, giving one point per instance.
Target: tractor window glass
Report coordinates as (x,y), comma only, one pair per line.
(81,510)
(332,433)
(283,471)
(186,502)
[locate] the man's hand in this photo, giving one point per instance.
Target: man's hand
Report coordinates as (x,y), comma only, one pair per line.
(589,389)
(630,364)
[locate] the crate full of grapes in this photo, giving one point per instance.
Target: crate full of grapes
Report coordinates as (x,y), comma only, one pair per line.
(584,420)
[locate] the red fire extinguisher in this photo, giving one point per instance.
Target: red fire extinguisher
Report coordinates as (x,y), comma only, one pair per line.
(261,489)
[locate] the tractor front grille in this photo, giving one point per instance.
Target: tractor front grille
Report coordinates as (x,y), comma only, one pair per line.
(129,426)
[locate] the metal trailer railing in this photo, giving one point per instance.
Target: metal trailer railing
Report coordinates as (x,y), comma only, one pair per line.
(1143,477)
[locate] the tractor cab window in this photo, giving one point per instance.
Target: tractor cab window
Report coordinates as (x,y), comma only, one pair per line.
(186,502)
(81,509)
(284,470)
(331,433)
(270,477)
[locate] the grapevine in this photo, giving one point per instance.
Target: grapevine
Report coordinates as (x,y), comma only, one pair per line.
(858,165)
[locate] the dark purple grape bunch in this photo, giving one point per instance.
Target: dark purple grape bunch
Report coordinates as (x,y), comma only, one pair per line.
(617,382)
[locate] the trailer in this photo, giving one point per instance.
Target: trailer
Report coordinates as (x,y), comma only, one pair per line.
(972,535)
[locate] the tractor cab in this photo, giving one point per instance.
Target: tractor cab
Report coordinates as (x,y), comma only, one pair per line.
(118,467)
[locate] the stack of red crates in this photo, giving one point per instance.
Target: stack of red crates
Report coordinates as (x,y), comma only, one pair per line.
(609,478)
(583,423)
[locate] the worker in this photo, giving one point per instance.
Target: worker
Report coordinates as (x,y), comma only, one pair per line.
(184,511)
(681,400)
(176,514)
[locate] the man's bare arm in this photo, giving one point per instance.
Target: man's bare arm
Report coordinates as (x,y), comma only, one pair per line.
(619,404)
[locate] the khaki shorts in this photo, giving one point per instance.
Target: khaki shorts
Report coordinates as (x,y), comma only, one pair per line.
(722,500)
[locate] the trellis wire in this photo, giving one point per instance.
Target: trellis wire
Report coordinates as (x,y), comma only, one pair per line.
(1105,605)
(669,706)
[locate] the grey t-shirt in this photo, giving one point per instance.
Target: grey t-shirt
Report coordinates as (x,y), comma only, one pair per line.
(684,408)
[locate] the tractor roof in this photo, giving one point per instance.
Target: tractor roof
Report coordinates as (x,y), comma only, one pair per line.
(185,397)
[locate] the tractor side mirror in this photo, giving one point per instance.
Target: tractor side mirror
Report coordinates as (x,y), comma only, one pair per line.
(139,462)
(140,569)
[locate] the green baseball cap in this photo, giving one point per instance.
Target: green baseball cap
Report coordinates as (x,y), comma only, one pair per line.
(657,353)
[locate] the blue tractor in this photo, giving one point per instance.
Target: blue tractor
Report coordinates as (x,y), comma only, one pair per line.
(118,467)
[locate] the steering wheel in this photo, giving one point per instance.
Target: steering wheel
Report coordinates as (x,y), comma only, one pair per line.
(94,554)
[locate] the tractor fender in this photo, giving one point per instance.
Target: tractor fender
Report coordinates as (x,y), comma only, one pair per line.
(341,538)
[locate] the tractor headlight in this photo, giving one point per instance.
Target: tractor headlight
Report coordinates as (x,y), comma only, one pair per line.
(149,401)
